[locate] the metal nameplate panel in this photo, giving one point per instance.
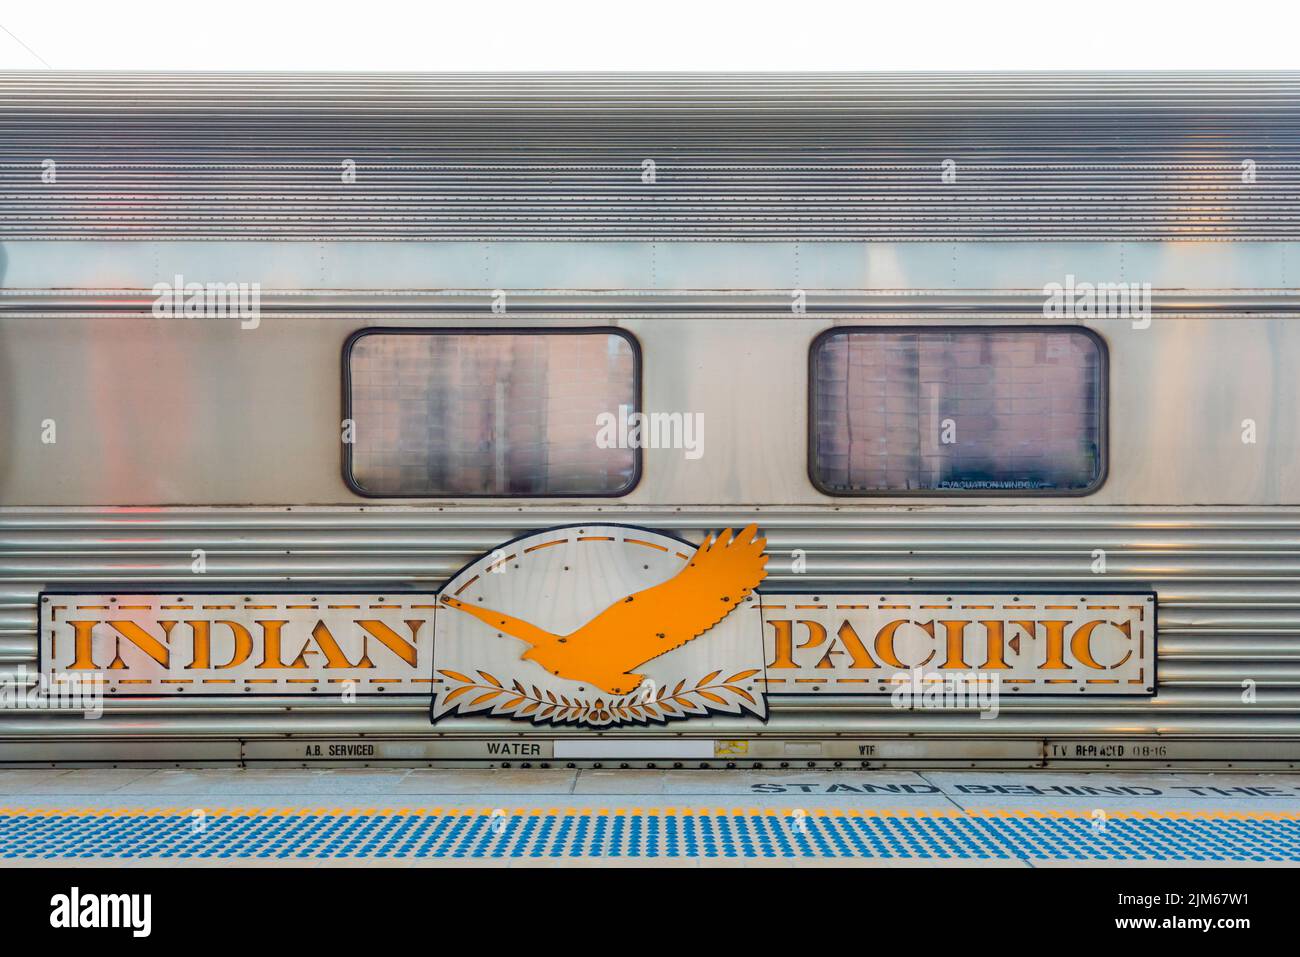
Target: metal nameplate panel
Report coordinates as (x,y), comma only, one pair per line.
(242,643)
(873,750)
(364,750)
(920,649)
(1166,750)
(928,644)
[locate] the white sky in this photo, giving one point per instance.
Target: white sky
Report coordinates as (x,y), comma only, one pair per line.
(432,35)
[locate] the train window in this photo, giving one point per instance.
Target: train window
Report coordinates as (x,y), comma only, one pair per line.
(488,412)
(981,411)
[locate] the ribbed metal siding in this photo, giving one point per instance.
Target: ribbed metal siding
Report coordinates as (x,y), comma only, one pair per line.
(1228,584)
(780,156)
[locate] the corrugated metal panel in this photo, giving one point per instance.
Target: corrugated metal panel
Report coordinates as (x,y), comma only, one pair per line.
(1228,584)
(776,156)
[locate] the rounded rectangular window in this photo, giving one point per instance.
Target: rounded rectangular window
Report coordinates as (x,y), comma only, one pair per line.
(973,410)
(461,413)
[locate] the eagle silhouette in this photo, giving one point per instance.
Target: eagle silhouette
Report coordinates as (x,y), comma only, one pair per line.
(645,624)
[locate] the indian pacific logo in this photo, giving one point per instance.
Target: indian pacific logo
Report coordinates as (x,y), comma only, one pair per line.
(603,625)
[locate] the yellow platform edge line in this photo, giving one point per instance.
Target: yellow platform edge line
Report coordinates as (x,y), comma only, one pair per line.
(1181,814)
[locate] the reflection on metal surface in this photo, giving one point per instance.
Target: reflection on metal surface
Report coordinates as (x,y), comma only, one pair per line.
(481,414)
(269,435)
(976,410)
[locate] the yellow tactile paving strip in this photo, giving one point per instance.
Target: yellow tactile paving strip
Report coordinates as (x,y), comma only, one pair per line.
(652,833)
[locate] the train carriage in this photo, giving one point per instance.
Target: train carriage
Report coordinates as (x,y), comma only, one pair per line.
(674,420)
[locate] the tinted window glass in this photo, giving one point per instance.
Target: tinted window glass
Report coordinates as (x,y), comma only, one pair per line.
(973,410)
(503,414)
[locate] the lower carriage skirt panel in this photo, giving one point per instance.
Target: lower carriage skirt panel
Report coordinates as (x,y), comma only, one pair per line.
(682,752)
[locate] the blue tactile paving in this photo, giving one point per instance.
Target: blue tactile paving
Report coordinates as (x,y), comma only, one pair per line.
(647,834)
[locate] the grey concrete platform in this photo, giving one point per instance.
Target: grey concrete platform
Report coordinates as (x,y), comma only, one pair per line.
(360,789)
(119,817)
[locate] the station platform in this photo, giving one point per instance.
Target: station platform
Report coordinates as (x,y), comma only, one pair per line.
(123,817)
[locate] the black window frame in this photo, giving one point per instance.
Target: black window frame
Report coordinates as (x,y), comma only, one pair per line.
(1103,415)
(359,490)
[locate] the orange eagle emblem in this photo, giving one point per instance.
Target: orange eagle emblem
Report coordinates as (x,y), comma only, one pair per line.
(646,624)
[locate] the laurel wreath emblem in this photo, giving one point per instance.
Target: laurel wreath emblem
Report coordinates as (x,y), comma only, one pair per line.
(640,706)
